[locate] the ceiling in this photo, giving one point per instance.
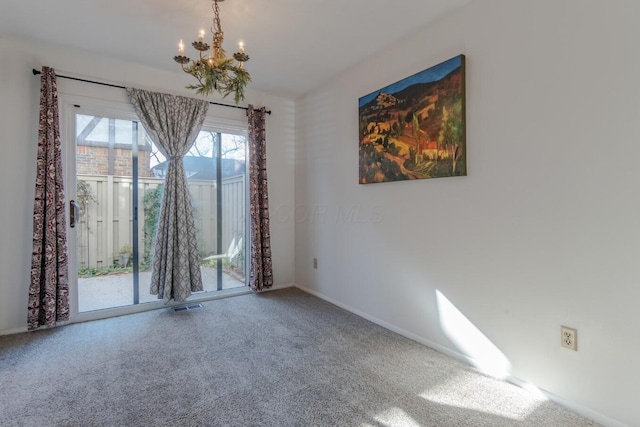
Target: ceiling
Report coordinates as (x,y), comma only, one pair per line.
(294,45)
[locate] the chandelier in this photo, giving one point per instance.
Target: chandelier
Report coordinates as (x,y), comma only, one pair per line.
(214,70)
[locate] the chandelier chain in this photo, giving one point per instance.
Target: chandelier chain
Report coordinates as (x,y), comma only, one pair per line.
(218,34)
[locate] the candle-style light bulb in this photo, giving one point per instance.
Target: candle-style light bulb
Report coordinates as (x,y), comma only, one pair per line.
(241,46)
(181,48)
(201,36)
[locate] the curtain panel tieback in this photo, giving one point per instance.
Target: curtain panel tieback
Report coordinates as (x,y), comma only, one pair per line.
(173,123)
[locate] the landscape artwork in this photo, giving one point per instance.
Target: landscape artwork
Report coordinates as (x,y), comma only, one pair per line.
(415,128)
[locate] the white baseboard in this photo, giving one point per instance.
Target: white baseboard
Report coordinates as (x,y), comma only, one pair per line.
(404,333)
(578,409)
(13,331)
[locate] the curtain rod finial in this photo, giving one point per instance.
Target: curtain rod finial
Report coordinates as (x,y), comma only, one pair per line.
(36,72)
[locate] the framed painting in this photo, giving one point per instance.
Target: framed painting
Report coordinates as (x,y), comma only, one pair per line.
(415,128)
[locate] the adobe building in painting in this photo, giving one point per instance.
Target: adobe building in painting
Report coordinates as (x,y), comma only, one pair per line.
(415,128)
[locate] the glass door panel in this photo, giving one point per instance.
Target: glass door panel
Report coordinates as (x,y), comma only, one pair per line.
(110,155)
(216,174)
(102,199)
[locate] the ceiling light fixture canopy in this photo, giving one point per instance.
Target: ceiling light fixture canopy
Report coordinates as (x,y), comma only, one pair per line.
(215,71)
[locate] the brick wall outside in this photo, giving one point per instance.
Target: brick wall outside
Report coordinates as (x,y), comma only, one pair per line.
(95,161)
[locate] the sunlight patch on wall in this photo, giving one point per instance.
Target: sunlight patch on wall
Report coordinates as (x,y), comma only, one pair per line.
(470,341)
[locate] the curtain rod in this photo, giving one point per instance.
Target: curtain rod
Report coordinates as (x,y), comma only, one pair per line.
(36,72)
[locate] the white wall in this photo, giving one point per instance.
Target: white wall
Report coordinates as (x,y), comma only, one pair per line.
(545,230)
(19,104)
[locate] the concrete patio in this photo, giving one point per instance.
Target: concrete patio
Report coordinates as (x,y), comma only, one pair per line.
(116,290)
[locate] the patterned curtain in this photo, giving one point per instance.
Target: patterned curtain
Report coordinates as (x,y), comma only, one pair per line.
(49,287)
(261,276)
(173,123)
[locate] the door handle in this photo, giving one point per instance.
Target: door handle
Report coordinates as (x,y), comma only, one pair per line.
(74,213)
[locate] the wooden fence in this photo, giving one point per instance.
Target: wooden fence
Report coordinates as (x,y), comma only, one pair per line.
(106,220)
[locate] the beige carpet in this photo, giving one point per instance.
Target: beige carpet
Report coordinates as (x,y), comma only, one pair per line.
(283,358)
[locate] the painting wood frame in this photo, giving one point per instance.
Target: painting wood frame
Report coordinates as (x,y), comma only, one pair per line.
(415,128)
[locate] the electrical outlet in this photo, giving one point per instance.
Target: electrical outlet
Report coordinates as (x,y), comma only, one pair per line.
(315,263)
(569,338)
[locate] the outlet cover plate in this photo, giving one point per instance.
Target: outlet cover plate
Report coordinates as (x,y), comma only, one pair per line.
(569,338)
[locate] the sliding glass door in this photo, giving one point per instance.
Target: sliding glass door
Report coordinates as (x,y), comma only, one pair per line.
(119,175)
